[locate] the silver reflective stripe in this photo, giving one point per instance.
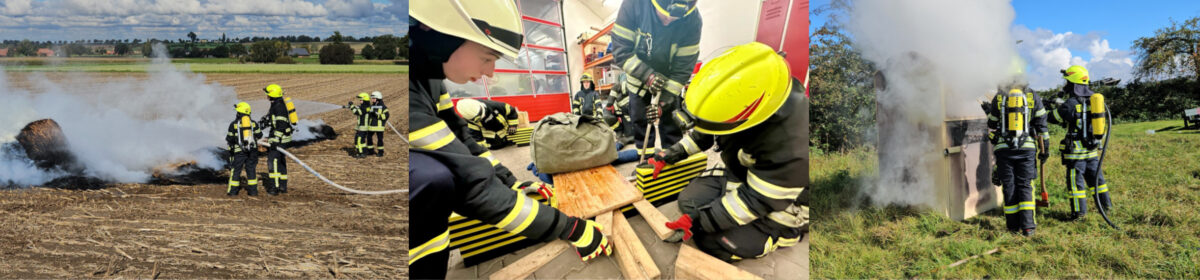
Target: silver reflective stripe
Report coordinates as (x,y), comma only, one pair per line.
(674,87)
(794,216)
(527,206)
(689,145)
(736,208)
(772,190)
(688,50)
(426,142)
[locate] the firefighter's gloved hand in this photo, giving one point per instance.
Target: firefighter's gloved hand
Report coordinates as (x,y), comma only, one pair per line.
(543,189)
(985,106)
(586,237)
(1045,152)
(682,227)
(655,83)
(512,130)
(263,142)
(653,112)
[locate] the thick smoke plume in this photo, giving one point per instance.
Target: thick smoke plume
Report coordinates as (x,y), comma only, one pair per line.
(939,57)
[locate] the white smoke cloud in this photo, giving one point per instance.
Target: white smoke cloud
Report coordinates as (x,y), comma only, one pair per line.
(939,57)
(1048,52)
(121,129)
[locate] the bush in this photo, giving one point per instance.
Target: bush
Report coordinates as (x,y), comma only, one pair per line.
(285,60)
(337,53)
(368,52)
(268,51)
(221,51)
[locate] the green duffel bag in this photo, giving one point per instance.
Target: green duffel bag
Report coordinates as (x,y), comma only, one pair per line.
(564,142)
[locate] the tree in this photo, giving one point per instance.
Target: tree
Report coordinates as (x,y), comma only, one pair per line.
(221,51)
(148,48)
(842,96)
(237,50)
(268,51)
(386,46)
(402,52)
(1172,51)
(192,35)
(25,48)
(368,52)
(121,49)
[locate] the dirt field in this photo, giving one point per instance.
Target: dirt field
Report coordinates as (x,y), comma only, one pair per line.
(148,231)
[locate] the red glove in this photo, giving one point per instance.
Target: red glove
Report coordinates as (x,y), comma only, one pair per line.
(682,227)
(658,162)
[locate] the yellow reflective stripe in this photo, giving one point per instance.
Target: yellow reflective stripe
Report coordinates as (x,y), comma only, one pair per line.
(630,64)
(234,183)
(490,158)
(689,145)
(1040,113)
(736,208)
(688,50)
(252,182)
(522,214)
(444,102)
(674,87)
(431,137)
(1026,205)
(622,32)
(1079,194)
(772,190)
(437,244)
(1103,188)
(586,239)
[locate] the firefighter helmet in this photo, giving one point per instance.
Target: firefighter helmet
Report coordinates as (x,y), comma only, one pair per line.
(376,95)
(736,90)
(364,96)
(470,109)
(242,108)
(586,77)
(273,90)
(1076,75)
(495,24)
(675,8)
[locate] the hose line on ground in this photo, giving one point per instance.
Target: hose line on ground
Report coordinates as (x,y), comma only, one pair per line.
(331,183)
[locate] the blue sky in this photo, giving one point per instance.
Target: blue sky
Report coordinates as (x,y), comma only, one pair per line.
(171,19)
(1097,33)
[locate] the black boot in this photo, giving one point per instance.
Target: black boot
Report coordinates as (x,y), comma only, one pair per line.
(252,190)
(379,153)
(233,191)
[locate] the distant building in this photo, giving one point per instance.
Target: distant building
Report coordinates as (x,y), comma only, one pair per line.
(45,52)
(3,52)
(298,52)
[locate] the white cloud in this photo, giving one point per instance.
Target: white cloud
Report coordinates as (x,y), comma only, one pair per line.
(1047,52)
(127,19)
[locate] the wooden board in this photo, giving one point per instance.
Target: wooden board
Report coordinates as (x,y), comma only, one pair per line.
(605,220)
(695,264)
(628,239)
(522,119)
(587,193)
(525,266)
(656,219)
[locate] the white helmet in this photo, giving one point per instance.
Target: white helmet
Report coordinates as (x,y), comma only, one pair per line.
(495,24)
(376,95)
(470,109)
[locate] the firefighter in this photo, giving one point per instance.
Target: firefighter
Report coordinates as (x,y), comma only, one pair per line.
(243,151)
(279,120)
(656,43)
(1081,145)
(1016,119)
(586,101)
(745,102)
(460,42)
(375,124)
(362,113)
(489,121)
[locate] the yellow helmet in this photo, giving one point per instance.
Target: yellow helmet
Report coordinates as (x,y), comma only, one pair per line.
(273,90)
(1076,74)
(470,109)
(495,24)
(242,107)
(587,77)
(364,96)
(737,90)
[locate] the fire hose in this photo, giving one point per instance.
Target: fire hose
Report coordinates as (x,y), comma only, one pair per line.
(1100,170)
(402,137)
(331,183)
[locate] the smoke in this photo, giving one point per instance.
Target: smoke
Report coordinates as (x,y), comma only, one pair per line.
(939,57)
(120,129)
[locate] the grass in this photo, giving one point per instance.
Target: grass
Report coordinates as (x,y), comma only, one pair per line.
(215,67)
(1153,180)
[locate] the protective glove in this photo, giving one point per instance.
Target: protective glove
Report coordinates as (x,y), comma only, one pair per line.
(543,189)
(589,242)
(663,158)
(985,106)
(655,83)
(1045,152)
(512,130)
(682,227)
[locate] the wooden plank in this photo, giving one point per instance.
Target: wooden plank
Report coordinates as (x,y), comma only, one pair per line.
(605,220)
(656,219)
(587,193)
(522,119)
(633,246)
(695,264)
(525,266)
(625,260)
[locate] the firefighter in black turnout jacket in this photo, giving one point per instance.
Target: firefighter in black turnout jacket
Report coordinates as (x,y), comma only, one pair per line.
(281,118)
(242,139)
(1083,115)
(376,123)
(490,121)
(361,115)
(745,102)
(448,171)
(1016,121)
(586,101)
(656,43)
